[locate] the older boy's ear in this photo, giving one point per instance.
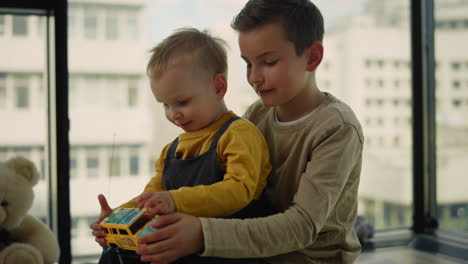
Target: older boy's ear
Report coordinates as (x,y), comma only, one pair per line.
(220,84)
(314,56)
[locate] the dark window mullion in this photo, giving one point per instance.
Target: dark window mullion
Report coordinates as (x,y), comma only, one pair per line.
(424,143)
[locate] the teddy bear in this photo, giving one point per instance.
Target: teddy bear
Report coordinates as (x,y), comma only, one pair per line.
(23,237)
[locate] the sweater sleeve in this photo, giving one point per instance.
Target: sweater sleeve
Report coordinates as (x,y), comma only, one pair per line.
(155,184)
(244,152)
(297,227)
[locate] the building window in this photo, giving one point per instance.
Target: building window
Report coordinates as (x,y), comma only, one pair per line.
(380,83)
(455,66)
(73,163)
(456,84)
(20,26)
(2,25)
(380,121)
(71,23)
(92,163)
(43,167)
(74,226)
(132,25)
(90,24)
(40,27)
(112,25)
(132,93)
(134,163)
(3,92)
(456,102)
(114,165)
(21,92)
(380,63)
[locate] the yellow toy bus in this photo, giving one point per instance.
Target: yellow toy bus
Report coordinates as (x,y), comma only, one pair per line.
(124,226)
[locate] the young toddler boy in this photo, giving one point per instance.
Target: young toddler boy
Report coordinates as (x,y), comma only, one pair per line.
(219,166)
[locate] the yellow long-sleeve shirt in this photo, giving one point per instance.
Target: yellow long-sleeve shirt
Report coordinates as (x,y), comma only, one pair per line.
(242,153)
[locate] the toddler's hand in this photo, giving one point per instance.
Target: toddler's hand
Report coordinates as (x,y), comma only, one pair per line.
(96,228)
(157,202)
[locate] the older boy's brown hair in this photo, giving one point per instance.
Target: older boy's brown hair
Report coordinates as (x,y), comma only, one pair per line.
(301,20)
(203,49)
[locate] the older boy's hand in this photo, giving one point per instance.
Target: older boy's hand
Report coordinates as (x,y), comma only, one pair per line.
(96,228)
(179,235)
(157,202)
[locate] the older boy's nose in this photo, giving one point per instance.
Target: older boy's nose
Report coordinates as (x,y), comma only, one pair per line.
(253,77)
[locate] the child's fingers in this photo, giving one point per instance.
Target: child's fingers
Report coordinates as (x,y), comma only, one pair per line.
(151,204)
(143,198)
(160,209)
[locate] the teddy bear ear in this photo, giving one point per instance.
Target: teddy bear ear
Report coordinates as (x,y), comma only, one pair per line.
(25,168)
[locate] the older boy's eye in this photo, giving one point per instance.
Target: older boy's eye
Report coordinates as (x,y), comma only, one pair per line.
(184,103)
(271,63)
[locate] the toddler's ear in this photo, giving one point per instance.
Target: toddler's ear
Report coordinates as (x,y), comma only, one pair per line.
(314,55)
(220,84)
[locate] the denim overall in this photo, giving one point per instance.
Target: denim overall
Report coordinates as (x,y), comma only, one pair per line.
(203,169)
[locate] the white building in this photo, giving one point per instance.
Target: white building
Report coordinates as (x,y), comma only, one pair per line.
(116,134)
(368,64)
(110,124)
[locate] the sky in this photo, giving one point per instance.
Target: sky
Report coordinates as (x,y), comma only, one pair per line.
(164,16)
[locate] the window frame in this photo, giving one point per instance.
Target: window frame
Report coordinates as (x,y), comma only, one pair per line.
(55,12)
(424,233)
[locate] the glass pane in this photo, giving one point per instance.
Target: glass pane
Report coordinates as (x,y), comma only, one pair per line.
(112,110)
(23,93)
(452,109)
(367,65)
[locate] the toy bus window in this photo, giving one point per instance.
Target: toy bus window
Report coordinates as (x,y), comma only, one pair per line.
(106,230)
(139,224)
(123,232)
(114,231)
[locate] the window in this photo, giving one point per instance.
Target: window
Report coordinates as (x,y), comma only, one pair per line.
(2,25)
(452,143)
(73,163)
(114,164)
(90,23)
(72,22)
(132,25)
(20,25)
(132,93)
(74,226)
(21,91)
(134,164)
(112,25)
(3,91)
(24,133)
(92,163)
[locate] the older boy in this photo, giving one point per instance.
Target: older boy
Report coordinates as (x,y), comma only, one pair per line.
(219,166)
(315,144)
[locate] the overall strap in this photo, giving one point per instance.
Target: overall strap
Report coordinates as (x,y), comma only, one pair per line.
(171,152)
(221,131)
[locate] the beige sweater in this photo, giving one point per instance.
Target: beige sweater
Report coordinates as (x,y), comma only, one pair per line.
(316,167)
